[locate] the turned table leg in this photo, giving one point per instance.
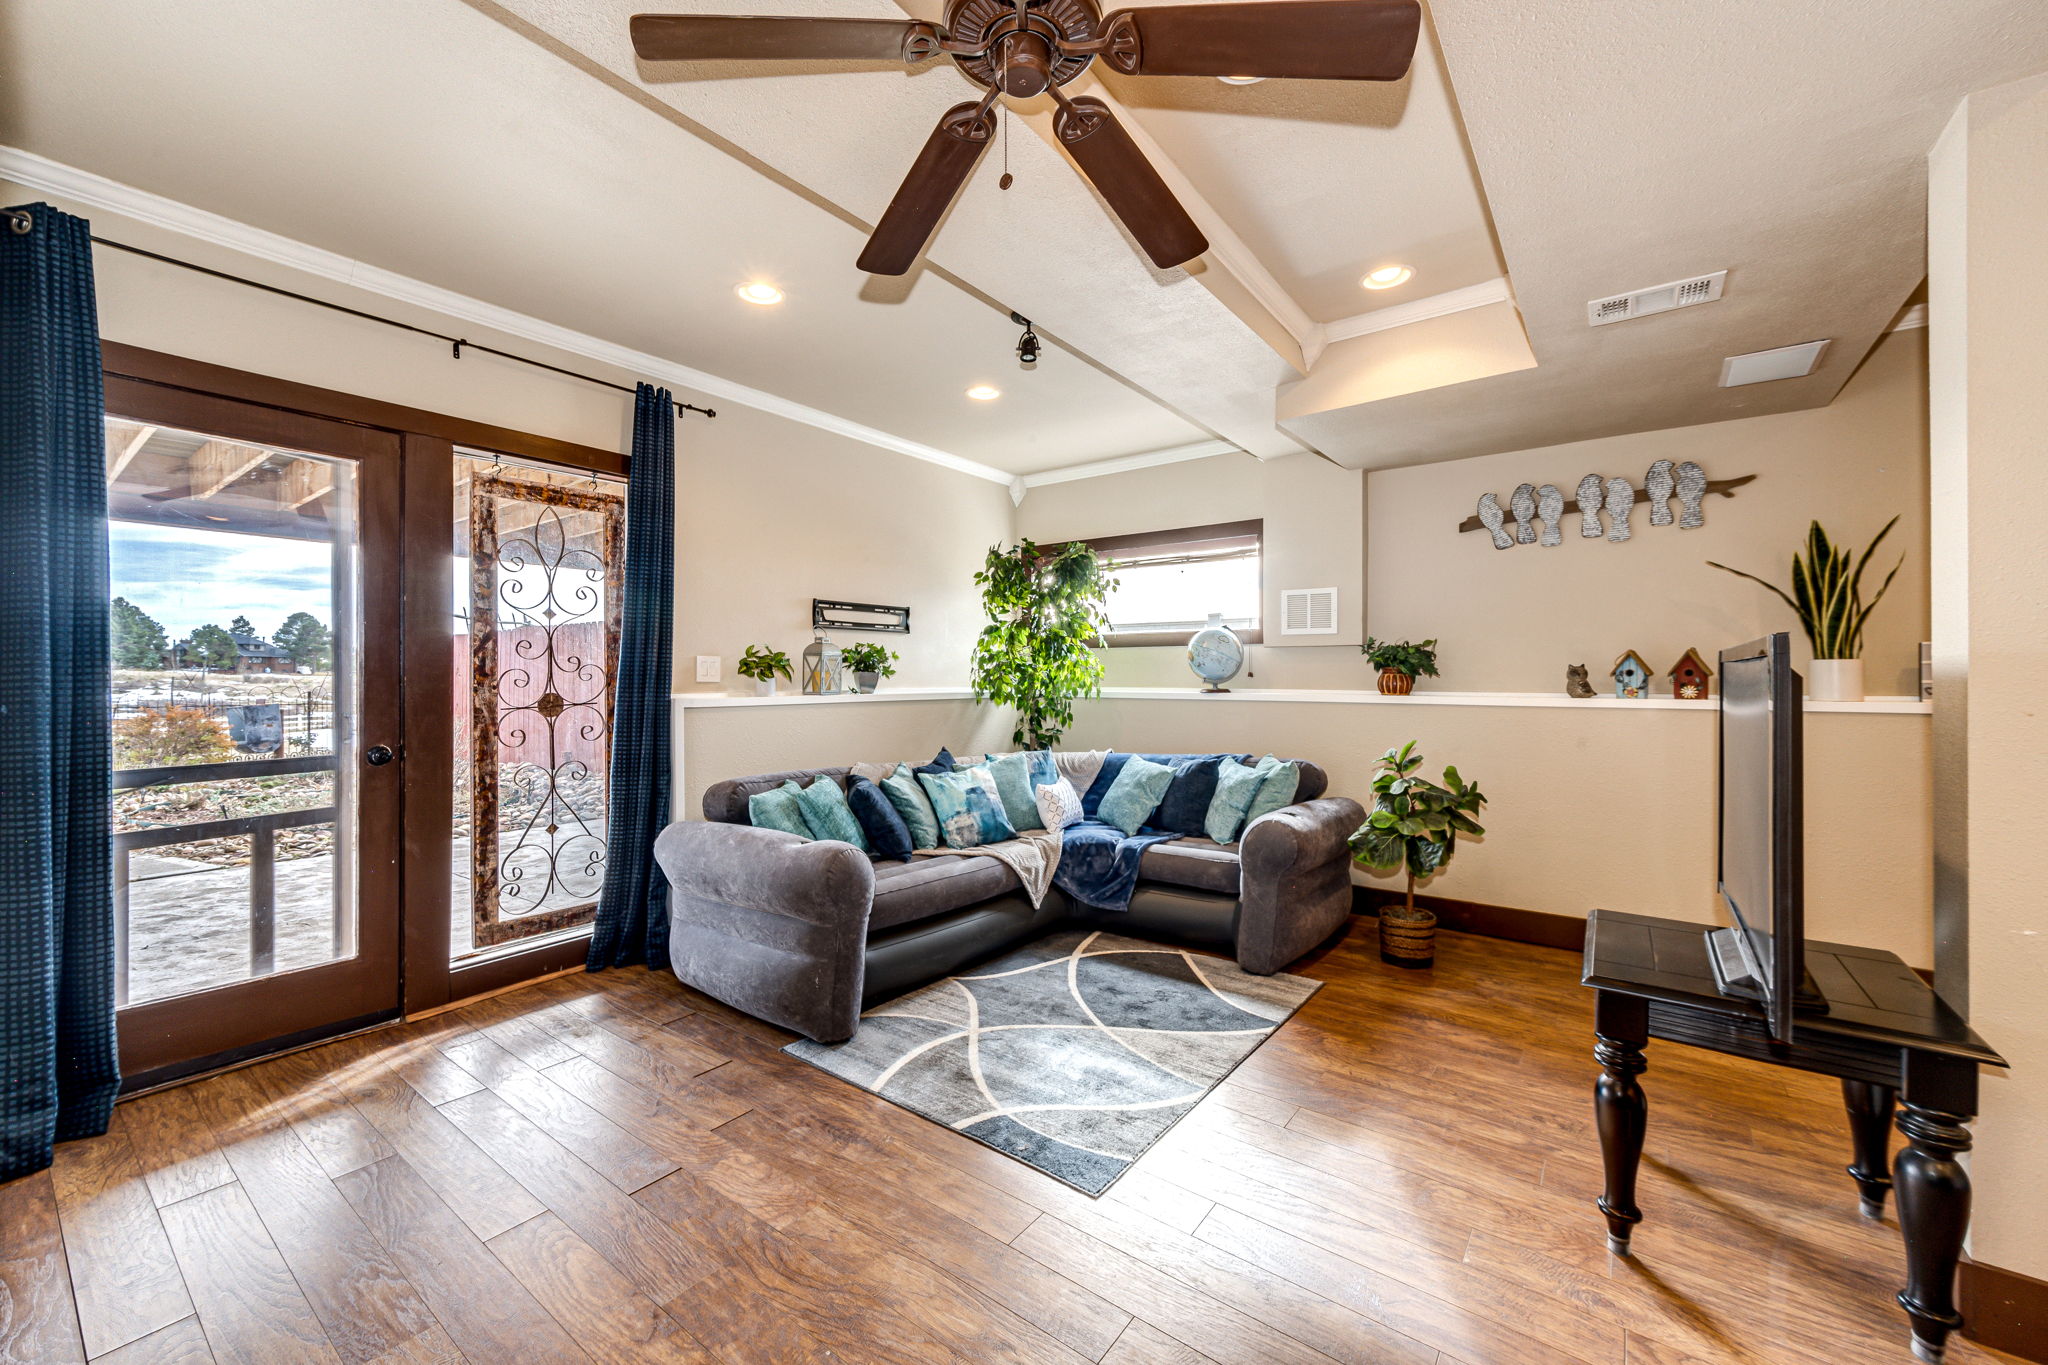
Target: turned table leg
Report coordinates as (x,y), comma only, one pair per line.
(1870,1129)
(1621,1028)
(1934,1194)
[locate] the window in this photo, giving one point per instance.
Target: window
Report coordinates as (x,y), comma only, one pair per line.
(1168,582)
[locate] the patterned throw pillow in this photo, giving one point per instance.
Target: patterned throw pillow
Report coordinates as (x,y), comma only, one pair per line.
(969,810)
(826,812)
(904,793)
(1276,791)
(1237,786)
(1135,794)
(1059,805)
(888,835)
(1017,777)
(778,809)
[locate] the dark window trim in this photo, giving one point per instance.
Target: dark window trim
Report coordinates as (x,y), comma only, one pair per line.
(1220,530)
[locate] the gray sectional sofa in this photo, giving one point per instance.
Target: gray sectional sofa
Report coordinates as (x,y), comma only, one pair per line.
(807,933)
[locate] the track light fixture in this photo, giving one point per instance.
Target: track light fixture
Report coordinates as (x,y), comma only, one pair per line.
(1027,345)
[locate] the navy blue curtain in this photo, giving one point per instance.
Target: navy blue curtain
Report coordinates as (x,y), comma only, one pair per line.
(632,912)
(58,1068)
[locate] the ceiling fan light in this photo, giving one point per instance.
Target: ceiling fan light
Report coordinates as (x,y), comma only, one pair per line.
(1240,80)
(1387,276)
(984,393)
(759,293)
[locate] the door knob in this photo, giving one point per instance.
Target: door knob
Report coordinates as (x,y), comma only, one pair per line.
(377,755)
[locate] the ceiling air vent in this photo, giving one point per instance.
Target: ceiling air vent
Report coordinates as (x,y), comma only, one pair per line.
(1658,299)
(1308,611)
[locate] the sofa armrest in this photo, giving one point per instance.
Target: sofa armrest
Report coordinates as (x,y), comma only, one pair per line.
(1296,881)
(769,923)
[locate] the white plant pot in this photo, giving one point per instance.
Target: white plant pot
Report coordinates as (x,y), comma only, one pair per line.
(764,687)
(1835,680)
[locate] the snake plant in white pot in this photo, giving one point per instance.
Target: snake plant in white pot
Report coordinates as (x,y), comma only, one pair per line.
(1827,595)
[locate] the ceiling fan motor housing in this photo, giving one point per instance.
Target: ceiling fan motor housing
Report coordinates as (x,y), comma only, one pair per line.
(1020,57)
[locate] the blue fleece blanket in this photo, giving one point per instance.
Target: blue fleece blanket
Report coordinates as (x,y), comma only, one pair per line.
(1099,863)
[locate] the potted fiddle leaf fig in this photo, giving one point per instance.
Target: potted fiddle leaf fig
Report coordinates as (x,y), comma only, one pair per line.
(764,666)
(1414,825)
(869,664)
(1827,596)
(1398,664)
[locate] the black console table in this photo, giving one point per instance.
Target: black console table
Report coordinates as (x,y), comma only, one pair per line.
(1885,1034)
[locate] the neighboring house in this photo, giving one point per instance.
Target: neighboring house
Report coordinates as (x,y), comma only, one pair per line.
(253,654)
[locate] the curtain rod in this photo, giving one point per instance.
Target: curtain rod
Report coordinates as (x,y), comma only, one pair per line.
(22,221)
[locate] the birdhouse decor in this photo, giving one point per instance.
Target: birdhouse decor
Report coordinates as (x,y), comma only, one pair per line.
(1631,676)
(824,669)
(1689,677)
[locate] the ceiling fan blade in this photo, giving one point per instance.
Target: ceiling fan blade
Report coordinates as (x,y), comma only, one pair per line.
(948,158)
(706,37)
(1329,40)
(1120,172)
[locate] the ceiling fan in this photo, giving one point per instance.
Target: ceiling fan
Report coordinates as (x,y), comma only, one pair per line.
(1029,47)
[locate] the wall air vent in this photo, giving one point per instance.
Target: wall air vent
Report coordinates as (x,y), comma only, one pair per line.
(1308,611)
(1659,299)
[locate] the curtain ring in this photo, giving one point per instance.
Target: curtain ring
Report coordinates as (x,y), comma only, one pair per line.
(22,224)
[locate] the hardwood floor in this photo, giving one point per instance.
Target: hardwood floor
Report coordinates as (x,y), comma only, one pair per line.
(611,1168)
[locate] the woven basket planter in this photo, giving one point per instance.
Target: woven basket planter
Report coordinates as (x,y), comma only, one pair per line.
(1407,941)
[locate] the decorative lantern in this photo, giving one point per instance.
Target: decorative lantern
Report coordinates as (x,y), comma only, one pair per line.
(824,672)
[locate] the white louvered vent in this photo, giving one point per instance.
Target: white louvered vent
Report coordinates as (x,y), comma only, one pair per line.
(1662,298)
(1308,611)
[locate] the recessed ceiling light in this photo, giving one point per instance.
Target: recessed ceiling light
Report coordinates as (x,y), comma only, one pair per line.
(983,393)
(1387,276)
(763,294)
(1240,80)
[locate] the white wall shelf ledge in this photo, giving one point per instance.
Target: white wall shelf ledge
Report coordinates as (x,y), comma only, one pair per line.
(693,700)
(1897,706)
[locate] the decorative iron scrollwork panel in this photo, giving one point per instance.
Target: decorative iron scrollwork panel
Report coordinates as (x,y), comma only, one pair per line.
(546,578)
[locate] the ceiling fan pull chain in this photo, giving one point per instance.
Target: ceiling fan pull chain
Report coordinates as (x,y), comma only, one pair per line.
(1008,179)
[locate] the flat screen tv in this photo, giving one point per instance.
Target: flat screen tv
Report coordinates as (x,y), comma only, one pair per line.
(1761,875)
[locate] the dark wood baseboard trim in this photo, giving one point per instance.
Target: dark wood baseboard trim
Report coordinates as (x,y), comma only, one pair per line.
(1539,927)
(2004,1309)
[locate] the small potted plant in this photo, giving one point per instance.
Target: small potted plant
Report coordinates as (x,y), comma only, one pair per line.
(1399,664)
(764,666)
(869,664)
(1827,596)
(1414,824)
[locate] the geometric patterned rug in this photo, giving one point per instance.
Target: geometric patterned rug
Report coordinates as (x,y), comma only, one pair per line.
(1072,1054)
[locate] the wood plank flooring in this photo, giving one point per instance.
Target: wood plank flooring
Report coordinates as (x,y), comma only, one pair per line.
(611,1168)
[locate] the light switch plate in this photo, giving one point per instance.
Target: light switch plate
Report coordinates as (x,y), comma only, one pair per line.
(708,668)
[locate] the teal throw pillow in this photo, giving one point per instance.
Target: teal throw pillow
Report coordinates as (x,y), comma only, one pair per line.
(828,815)
(904,793)
(969,810)
(779,809)
(1018,778)
(1237,786)
(1135,794)
(1276,791)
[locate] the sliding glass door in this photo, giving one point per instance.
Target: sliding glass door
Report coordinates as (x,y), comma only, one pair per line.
(254,708)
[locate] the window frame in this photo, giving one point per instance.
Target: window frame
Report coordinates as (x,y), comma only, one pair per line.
(1106,546)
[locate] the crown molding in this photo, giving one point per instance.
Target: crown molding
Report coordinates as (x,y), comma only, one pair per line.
(1916,316)
(1419,310)
(97,192)
(1122,464)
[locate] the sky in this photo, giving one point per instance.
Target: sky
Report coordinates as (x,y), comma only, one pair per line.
(186,578)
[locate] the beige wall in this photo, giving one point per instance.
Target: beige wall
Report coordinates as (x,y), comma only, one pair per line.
(1510,621)
(1988,183)
(1593,807)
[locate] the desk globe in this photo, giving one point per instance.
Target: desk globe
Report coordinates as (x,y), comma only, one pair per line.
(1215,653)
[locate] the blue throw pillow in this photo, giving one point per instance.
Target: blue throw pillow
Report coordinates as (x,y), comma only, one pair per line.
(1135,794)
(1237,786)
(942,763)
(778,809)
(1018,778)
(1185,807)
(825,811)
(969,810)
(1276,791)
(1105,777)
(904,793)
(888,835)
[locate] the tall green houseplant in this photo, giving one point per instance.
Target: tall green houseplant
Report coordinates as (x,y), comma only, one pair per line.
(1045,619)
(1414,825)
(1827,592)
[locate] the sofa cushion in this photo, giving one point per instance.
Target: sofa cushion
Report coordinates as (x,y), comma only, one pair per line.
(1059,805)
(1136,793)
(1018,776)
(924,887)
(1185,807)
(888,836)
(1105,778)
(826,812)
(1200,863)
(779,809)
(970,811)
(906,794)
(1275,793)
(1237,786)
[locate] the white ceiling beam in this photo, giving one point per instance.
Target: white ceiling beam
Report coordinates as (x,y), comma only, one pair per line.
(1418,310)
(1095,469)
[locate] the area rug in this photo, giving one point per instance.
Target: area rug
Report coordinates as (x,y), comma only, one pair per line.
(1072,1054)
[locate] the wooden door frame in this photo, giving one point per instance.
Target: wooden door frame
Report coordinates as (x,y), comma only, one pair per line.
(426,726)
